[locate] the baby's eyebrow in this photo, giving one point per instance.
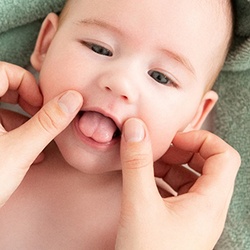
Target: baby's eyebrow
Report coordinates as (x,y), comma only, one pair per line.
(100,23)
(179,58)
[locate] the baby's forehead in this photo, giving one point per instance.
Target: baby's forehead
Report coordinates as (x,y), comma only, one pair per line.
(221,8)
(201,5)
(211,16)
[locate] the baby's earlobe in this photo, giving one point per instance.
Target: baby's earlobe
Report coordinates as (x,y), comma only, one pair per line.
(36,64)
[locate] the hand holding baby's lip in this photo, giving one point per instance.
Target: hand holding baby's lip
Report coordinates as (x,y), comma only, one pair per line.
(149,221)
(17,132)
(45,125)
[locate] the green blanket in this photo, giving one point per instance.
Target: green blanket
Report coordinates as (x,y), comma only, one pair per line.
(19,24)
(232,123)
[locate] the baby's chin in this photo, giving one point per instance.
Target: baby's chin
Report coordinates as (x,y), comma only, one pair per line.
(85,158)
(91,164)
(95,169)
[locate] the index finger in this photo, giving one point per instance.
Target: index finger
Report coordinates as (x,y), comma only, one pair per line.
(16,78)
(221,161)
(206,144)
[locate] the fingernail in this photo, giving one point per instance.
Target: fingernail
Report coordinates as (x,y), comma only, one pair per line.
(69,102)
(134,131)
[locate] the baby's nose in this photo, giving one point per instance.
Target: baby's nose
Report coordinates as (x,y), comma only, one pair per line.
(123,94)
(120,85)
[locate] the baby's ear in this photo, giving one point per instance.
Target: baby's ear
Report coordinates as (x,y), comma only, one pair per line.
(206,105)
(46,34)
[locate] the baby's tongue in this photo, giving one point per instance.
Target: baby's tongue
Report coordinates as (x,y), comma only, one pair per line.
(97,126)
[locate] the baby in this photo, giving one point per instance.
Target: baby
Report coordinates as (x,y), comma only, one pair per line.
(155,61)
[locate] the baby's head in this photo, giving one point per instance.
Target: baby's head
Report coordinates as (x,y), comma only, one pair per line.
(223,28)
(154,60)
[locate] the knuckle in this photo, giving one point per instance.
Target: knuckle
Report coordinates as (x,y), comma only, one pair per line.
(46,121)
(233,155)
(237,157)
(4,81)
(137,161)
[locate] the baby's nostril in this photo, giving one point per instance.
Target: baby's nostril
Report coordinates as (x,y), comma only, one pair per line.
(124,97)
(108,88)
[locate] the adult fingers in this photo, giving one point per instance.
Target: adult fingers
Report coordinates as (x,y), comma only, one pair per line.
(11,120)
(180,178)
(221,164)
(207,146)
(21,146)
(137,163)
(16,79)
(54,117)
(173,170)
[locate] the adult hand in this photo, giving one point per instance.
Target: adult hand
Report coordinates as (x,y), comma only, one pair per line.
(21,142)
(194,219)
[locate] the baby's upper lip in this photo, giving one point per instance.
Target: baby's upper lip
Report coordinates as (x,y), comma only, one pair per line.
(113,117)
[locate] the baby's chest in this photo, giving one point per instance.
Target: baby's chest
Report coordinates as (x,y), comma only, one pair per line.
(66,229)
(62,219)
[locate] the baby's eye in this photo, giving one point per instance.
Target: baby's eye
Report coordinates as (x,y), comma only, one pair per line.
(99,49)
(159,77)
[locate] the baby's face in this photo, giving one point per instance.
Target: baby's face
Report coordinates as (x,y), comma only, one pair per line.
(151,60)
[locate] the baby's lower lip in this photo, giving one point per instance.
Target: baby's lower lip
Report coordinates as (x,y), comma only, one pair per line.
(91,142)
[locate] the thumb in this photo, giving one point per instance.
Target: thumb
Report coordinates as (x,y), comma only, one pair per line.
(22,145)
(137,162)
(53,118)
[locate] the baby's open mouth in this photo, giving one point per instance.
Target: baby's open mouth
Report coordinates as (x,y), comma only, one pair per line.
(98,127)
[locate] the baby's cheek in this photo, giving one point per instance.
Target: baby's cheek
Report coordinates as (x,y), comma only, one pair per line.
(160,147)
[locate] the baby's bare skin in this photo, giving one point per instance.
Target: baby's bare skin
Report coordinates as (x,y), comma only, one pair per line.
(57,207)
